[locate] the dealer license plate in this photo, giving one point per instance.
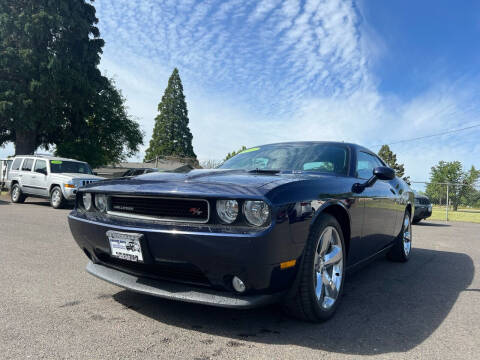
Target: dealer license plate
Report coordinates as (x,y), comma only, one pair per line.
(125,246)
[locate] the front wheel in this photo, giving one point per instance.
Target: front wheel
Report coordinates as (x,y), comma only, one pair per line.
(322,273)
(403,243)
(16,194)
(56,198)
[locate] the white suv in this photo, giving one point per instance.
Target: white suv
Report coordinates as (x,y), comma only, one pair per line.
(48,177)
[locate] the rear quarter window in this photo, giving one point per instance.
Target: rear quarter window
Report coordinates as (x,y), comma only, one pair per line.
(16,164)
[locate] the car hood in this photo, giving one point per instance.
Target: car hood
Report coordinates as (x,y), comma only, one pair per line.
(217,182)
(68,176)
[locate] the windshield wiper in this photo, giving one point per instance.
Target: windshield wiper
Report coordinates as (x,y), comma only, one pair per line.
(264,171)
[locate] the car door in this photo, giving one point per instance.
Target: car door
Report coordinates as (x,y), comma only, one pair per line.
(39,177)
(26,177)
(380,213)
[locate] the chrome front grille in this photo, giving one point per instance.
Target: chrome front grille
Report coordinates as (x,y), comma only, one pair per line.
(86,182)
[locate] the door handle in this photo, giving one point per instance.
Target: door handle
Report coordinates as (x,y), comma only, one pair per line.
(393,191)
(34,177)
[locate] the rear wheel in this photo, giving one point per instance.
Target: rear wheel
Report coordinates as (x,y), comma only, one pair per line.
(403,243)
(322,273)
(56,198)
(16,194)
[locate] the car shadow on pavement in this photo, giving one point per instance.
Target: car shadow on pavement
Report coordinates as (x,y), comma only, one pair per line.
(387,307)
(2,202)
(46,203)
(431,224)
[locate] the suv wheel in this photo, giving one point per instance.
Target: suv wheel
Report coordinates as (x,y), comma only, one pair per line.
(16,194)
(56,198)
(322,272)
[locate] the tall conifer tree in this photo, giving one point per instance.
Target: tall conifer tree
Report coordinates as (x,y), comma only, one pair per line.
(171,134)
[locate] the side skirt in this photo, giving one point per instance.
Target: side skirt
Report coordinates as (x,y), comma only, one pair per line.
(362,263)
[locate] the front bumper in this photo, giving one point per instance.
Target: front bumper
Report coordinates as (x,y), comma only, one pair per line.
(69,193)
(180,292)
(193,264)
(422,212)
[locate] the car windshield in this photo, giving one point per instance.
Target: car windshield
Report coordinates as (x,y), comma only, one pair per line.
(292,157)
(61,166)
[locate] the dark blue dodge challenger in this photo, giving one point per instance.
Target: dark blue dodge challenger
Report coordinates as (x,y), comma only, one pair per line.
(280,222)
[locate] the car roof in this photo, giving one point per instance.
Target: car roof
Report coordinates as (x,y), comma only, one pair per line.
(141,169)
(47,157)
(351,145)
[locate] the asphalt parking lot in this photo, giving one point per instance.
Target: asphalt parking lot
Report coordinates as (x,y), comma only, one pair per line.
(51,308)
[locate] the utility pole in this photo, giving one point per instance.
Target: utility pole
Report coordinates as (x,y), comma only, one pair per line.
(447,203)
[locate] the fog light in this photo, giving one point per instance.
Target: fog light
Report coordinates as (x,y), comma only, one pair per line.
(238,285)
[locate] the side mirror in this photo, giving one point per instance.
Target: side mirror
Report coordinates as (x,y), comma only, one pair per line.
(95,173)
(41,171)
(379,173)
(384,173)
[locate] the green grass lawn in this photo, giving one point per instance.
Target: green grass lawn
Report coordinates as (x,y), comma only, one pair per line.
(462,214)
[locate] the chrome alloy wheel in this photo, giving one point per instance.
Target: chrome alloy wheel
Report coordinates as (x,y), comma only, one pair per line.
(407,235)
(56,198)
(15,193)
(328,266)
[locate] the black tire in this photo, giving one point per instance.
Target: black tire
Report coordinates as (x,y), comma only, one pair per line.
(56,198)
(16,194)
(302,302)
(398,252)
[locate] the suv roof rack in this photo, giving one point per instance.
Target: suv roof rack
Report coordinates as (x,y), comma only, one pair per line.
(43,155)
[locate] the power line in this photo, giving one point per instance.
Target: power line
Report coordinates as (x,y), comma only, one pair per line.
(451,131)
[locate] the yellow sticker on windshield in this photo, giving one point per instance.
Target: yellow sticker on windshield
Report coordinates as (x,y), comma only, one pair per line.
(56,161)
(249,150)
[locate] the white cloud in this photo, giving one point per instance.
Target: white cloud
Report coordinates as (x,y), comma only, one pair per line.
(266,71)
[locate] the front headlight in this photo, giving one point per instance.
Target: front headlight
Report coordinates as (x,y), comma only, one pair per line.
(227,210)
(101,202)
(87,201)
(256,212)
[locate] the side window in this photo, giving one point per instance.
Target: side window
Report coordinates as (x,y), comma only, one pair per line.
(365,165)
(27,165)
(16,164)
(40,167)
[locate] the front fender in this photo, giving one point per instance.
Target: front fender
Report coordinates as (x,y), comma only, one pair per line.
(329,203)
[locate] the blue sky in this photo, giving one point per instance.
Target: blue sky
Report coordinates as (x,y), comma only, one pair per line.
(254,72)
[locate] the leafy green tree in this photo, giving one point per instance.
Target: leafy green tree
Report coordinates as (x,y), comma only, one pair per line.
(469,194)
(233,153)
(171,134)
(391,159)
(50,84)
(460,183)
(111,135)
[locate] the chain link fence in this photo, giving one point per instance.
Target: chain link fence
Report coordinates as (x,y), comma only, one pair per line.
(450,201)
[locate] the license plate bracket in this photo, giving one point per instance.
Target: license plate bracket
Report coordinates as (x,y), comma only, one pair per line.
(126,246)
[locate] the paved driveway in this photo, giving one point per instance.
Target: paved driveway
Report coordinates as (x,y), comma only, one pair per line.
(50,308)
